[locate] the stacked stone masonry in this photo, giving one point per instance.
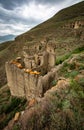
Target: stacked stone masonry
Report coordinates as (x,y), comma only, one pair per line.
(31,84)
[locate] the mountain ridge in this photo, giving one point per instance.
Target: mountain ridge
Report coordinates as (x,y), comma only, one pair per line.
(6,38)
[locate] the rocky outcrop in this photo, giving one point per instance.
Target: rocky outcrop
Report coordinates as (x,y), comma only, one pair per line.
(76,24)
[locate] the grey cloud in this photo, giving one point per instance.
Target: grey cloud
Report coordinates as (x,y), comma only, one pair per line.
(11,22)
(11,4)
(49,1)
(14,19)
(8,16)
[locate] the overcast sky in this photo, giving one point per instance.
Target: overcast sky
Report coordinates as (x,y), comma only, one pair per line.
(18,16)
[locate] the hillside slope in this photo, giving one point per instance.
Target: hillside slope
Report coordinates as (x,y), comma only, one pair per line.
(61,108)
(58,31)
(73,13)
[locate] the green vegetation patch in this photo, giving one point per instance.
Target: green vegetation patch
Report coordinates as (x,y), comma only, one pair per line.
(53,83)
(71,74)
(61,59)
(16,127)
(9,106)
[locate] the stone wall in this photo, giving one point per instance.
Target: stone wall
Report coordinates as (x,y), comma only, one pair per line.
(40,61)
(21,84)
(15,79)
(27,85)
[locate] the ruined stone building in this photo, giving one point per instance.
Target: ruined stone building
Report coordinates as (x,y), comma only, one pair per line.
(31,77)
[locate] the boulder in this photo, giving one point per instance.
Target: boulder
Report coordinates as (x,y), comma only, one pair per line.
(17,115)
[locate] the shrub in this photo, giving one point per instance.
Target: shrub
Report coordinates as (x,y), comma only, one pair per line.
(73,74)
(16,127)
(60,59)
(74,85)
(81,82)
(81,94)
(65,64)
(78,50)
(14,104)
(54,82)
(81,67)
(6,120)
(10,108)
(66,104)
(72,66)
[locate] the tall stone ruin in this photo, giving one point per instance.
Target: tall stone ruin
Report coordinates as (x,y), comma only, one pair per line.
(31,77)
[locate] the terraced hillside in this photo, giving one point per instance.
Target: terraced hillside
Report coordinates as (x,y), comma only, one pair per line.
(60,30)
